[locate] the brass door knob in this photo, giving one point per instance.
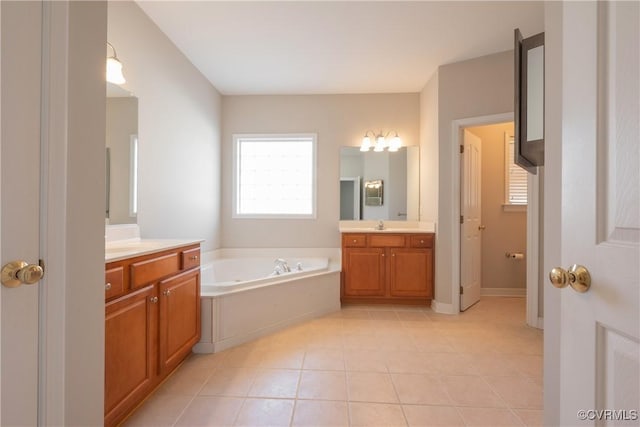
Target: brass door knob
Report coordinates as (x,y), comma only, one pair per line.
(577,277)
(17,273)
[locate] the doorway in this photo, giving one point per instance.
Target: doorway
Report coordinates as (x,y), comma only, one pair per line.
(495,225)
(516,273)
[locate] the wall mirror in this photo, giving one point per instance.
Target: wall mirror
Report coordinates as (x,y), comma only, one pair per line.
(397,196)
(121,156)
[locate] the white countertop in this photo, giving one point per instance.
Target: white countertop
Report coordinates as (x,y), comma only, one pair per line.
(121,249)
(389,227)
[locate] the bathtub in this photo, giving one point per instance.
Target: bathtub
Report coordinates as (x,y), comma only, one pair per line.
(243,299)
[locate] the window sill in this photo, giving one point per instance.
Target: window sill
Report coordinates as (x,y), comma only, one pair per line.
(514,208)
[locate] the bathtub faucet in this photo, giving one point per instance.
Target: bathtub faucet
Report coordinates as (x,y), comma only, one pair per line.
(283,265)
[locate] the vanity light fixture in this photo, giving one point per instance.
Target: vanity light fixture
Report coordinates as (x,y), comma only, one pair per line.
(114,68)
(381,142)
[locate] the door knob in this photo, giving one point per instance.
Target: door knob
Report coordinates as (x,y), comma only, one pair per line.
(482,227)
(17,273)
(577,277)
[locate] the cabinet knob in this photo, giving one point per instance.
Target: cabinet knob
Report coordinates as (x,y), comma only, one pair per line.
(382,254)
(354,240)
(107,286)
(421,242)
(194,258)
(167,292)
(393,254)
(153,300)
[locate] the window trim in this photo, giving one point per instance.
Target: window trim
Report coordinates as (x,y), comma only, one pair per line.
(236,138)
(507,206)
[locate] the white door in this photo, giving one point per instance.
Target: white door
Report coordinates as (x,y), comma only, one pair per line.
(598,357)
(470,232)
(20,84)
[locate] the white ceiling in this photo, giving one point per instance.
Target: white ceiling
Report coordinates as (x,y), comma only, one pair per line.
(305,47)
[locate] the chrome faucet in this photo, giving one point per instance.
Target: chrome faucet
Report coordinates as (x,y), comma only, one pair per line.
(380,225)
(283,265)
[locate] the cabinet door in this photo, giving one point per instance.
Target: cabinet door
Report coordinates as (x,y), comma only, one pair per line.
(411,273)
(364,270)
(179,317)
(130,331)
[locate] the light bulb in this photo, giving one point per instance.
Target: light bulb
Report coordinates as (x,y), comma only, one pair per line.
(114,71)
(366,144)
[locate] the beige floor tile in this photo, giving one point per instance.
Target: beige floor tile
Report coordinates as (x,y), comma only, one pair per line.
(489,417)
(376,414)
(185,381)
(427,416)
(159,410)
(325,385)
(265,412)
(384,355)
(315,413)
(518,392)
(365,360)
(325,359)
(451,363)
(229,382)
(211,411)
(284,358)
(471,391)
(420,389)
(408,362)
(528,365)
(370,387)
(494,364)
(530,417)
(275,383)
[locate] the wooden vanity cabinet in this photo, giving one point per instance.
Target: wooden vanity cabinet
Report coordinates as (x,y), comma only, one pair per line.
(387,268)
(152,321)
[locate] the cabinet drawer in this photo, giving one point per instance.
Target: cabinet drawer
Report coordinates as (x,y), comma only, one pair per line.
(114,282)
(190,258)
(354,240)
(422,241)
(387,240)
(144,272)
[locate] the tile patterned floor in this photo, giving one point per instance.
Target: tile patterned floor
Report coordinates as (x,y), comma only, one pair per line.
(367,366)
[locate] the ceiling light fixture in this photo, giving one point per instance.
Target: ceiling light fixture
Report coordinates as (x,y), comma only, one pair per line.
(381,142)
(114,68)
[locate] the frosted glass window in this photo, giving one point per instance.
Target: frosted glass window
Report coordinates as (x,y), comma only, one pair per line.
(515,177)
(275,176)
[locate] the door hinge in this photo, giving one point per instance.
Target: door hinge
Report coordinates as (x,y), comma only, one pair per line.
(461,219)
(461,290)
(461,149)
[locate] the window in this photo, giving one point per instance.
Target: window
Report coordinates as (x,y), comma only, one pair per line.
(275,176)
(515,177)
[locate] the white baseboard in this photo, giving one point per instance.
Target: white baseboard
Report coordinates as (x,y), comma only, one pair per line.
(442,308)
(503,292)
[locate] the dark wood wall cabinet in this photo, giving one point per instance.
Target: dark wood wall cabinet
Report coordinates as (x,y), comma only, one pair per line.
(152,320)
(387,268)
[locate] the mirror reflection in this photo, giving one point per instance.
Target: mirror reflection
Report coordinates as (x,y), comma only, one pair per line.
(121,156)
(395,172)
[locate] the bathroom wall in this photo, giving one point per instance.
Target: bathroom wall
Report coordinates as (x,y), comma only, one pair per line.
(478,87)
(505,231)
(429,142)
(339,120)
(179,131)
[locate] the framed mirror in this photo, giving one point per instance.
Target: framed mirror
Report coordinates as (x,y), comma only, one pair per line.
(529,101)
